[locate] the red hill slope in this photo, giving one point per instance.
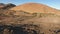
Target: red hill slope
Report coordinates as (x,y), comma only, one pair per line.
(36,7)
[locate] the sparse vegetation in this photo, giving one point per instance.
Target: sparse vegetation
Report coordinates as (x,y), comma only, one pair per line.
(16,17)
(46,14)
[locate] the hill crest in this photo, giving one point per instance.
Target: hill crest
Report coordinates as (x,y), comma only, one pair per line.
(35,8)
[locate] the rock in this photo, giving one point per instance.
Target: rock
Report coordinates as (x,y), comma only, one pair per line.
(6,6)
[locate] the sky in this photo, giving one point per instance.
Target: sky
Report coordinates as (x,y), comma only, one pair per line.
(51,3)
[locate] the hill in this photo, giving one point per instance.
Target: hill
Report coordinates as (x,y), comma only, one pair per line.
(36,8)
(30,18)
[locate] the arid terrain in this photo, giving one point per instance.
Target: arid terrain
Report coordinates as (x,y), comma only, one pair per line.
(29,18)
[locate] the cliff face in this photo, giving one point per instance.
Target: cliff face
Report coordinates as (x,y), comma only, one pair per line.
(30,18)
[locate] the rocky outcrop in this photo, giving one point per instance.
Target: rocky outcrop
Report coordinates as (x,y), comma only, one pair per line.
(2,5)
(6,6)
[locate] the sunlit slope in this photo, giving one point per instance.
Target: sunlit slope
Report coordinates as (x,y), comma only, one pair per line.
(36,8)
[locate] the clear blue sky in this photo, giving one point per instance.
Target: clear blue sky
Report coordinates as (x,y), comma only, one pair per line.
(52,3)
